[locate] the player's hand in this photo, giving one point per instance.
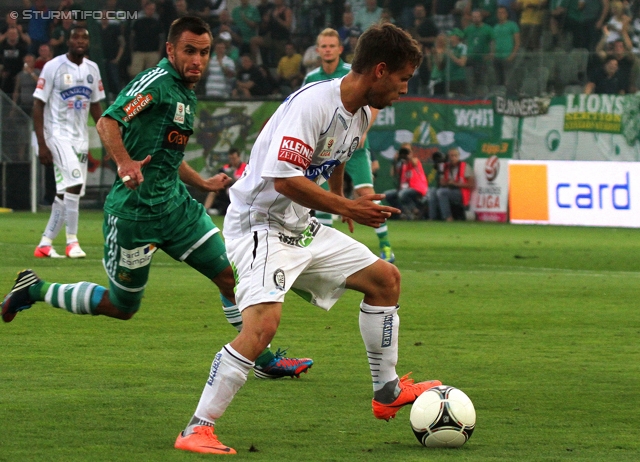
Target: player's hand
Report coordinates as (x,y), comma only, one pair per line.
(44,154)
(366,212)
(130,172)
(217,182)
(349,223)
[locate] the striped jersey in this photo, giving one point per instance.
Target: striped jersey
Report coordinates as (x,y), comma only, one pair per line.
(67,91)
(309,135)
(156,112)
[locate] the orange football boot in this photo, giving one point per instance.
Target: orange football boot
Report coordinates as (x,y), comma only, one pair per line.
(202,440)
(409,392)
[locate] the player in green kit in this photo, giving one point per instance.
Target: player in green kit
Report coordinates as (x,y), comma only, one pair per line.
(359,165)
(148,208)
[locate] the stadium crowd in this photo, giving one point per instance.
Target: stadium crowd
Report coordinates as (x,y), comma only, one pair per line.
(264,48)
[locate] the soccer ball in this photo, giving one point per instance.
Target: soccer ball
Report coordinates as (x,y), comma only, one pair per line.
(443,417)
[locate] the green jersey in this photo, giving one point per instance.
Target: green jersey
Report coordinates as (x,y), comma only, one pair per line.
(478,40)
(319,74)
(156,112)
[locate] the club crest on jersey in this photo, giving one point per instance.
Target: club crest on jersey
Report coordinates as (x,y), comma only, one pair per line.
(328,144)
(90,78)
(278,279)
(354,145)
(179,115)
(67,79)
(295,151)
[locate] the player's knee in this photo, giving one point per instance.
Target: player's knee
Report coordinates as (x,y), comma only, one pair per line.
(391,278)
(123,305)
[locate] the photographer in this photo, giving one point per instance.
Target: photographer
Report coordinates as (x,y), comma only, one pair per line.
(412,183)
(456,183)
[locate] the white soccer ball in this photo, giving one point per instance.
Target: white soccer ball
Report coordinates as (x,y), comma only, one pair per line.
(443,417)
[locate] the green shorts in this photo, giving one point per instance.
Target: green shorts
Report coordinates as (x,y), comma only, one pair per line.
(186,234)
(359,169)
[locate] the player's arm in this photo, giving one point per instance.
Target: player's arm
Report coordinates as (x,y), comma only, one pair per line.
(109,131)
(308,194)
(190,177)
(95,109)
(44,154)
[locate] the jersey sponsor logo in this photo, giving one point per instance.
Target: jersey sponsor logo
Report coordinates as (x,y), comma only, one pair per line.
(175,138)
(136,105)
(79,90)
(179,115)
(67,79)
(387,331)
(40,84)
(90,78)
(136,258)
(295,151)
(326,151)
(324,170)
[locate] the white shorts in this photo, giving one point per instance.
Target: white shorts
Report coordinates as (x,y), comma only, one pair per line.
(69,163)
(269,263)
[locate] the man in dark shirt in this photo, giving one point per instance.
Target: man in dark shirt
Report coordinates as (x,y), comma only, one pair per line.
(606,80)
(147,41)
(250,80)
(12,51)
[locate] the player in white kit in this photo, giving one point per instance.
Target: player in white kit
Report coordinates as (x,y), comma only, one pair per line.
(275,246)
(69,88)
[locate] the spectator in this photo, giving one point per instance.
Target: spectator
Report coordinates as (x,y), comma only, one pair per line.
(220,73)
(350,48)
(233,51)
(557,18)
(531,16)
(226,25)
(44,55)
(488,9)
(585,20)
(627,62)
(478,36)
(311,58)
(436,58)
(412,183)
(423,28)
(60,35)
(365,16)
(456,184)
(348,24)
(147,40)
(10,22)
(167,13)
(182,8)
(208,10)
(23,98)
(38,28)
(289,70)
(505,45)
(457,61)
(246,18)
(442,14)
(12,52)
(112,51)
(403,11)
(617,28)
(279,21)
(634,29)
(216,203)
(250,81)
(606,80)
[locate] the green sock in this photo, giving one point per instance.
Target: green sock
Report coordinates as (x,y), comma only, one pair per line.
(383,235)
(265,358)
(38,291)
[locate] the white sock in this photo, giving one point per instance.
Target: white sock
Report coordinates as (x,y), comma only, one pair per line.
(229,372)
(72,211)
(379,330)
(56,220)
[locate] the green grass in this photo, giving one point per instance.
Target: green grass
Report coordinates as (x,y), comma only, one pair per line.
(538,325)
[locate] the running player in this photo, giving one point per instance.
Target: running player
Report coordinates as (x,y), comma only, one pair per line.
(275,246)
(148,207)
(359,166)
(69,88)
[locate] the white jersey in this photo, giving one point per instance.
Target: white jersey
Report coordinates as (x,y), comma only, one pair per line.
(67,91)
(309,135)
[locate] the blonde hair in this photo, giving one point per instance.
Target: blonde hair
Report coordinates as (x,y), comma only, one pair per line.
(329,32)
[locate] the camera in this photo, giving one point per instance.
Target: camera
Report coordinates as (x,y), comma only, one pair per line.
(403,154)
(439,158)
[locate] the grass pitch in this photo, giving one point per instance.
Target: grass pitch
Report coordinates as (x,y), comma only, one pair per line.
(538,325)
